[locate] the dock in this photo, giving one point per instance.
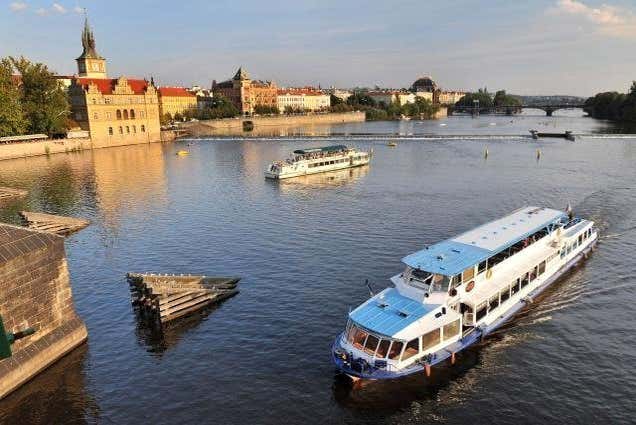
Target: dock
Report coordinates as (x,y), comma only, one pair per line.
(165,297)
(57,224)
(565,135)
(7,193)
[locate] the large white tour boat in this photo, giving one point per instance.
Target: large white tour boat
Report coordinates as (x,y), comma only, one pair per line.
(457,291)
(317,160)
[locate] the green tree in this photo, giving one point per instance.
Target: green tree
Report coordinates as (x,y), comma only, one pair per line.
(166,118)
(178,116)
(12,120)
(482,96)
(44,100)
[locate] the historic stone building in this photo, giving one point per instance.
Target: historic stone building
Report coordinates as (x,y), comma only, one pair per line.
(302,99)
(176,100)
(116,111)
(247,94)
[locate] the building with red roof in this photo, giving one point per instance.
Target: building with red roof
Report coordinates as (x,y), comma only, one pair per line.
(116,111)
(176,101)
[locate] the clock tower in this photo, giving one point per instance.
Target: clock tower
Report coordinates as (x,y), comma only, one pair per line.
(90,64)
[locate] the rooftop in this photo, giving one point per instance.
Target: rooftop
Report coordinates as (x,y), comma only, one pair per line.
(107,85)
(174,92)
(452,256)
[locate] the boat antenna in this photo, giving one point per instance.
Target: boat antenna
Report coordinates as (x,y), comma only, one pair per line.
(568,210)
(366,282)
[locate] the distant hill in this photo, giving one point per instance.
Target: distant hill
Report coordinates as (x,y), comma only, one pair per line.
(551,100)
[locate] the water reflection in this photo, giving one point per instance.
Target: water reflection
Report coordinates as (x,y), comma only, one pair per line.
(55,396)
(326,180)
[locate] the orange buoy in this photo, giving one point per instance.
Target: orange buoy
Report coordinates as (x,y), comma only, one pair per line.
(428,370)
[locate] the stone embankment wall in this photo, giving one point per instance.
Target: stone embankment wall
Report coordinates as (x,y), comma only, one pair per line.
(35,292)
(235,125)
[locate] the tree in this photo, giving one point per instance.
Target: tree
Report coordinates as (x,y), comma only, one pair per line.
(482,96)
(335,100)
(12,120)
(166,118)
(265,110)
(178,116)
(44,100)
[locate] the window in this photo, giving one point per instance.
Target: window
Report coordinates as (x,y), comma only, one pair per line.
(383,348)
(396,350)
(95,115)
(121,130)
(110,131)
(94,101)
(468,274)
(359,338)
(493,303)
(371,344)
(125,114)
(132,114)
(481,311)
(141,114)
(109,115)
(541,268)
(118,114)
(127,130)
(412,348)
(107,100)
(580,239)
(533,273)
(482,266)
(452,329)
(134,129)
(515,286)
(525,280)
(143,128)
(431,339)
(504,294)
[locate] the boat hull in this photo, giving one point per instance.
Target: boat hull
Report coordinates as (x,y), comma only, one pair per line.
(300,173)
(357,370)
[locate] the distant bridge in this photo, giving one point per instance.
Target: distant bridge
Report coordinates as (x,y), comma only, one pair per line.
(509,110)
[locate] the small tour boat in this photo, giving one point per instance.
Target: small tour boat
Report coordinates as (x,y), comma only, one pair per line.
(317,160)
(455,292)
(392,144)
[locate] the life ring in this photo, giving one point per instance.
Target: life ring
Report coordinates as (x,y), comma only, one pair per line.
(470,286)
(488,273)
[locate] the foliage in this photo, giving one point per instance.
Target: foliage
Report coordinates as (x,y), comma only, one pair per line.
(503,99)
(613,105)
(361,100)
(12,120)
(178,116)
(266,110)
(44,101)
(166,118)
(340,107)
(422,107)
(374,114)
(482,96)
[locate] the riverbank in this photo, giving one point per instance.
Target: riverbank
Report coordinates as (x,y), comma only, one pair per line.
(247,126)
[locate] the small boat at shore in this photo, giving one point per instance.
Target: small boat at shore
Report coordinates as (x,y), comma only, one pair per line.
(318,160)
(455,292)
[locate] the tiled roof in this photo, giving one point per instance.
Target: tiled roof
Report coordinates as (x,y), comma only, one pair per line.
(107,85)
(174,92)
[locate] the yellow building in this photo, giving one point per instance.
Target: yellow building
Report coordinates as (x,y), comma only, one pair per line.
(176,100)
(119,111)
(303,99)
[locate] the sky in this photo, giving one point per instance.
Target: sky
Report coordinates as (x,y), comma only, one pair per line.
(570,47)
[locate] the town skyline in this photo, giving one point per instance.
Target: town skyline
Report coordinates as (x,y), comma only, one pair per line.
(526,49)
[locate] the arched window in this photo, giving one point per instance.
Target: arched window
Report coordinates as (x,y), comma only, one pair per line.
(125,114)
(121,130)
(143,128)
(110,131)
(118,113)
(127,130)
(132,114)
(134,128)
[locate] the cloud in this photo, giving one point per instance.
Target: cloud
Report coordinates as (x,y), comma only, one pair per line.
(610,20)
(58,8)
(41,11)
(18,6)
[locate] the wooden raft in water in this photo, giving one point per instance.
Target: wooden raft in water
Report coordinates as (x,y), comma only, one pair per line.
(168,297)
(10,193)
(53,223)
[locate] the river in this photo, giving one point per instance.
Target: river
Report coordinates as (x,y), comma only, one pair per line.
(304,248)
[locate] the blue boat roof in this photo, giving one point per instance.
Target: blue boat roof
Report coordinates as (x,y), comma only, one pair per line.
(454,255)
(389,312)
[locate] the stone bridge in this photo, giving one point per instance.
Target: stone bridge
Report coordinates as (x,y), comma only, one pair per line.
(509,110)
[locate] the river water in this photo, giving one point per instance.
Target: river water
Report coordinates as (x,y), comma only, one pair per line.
(304,248)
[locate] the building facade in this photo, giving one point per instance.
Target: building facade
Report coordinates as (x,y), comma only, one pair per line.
(176,100)
(119,111)
(304,99)
(246,94)
(450,97)
(392,97)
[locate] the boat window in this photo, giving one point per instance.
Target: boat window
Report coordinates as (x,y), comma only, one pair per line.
(451,329)
(468,274)
(482,266)
(493,303)
(563,253)
(412,348)
(439,283)
(383,348)
(351,330)
(505,294)
(359,337)
(525,280)
(481,311)
(533,273)
(456,280)
(431,339)
(580,239)
(541,268)
(515,286)
(371,344)
(396,350)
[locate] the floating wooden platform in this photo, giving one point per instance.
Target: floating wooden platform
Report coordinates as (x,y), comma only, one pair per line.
(53,223)
(168,297)
(11,193)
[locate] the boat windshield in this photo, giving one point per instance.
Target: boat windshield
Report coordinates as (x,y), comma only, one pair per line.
(426,280)
(374,345)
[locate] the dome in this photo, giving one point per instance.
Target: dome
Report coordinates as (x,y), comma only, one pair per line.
(424,84)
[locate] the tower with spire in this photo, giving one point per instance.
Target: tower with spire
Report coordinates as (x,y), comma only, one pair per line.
(90,64)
